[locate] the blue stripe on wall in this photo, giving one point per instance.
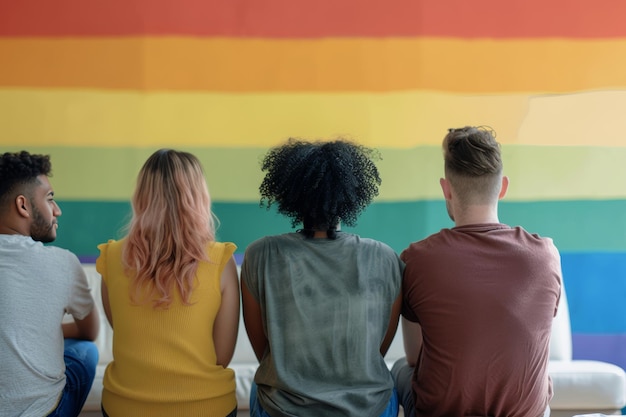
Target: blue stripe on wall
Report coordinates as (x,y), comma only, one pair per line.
(596,291)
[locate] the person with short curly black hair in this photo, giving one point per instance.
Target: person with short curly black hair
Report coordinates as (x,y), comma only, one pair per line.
(321,306)
(47,367)
(20,172)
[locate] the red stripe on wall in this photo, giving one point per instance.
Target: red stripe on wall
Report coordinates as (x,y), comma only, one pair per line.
(319,18)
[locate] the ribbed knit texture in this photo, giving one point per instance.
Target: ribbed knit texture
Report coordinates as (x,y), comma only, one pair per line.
(164,361)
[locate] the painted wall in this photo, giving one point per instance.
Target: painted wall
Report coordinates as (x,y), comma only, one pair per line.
(101,85)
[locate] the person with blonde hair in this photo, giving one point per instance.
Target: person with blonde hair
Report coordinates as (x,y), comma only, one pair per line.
(171,295)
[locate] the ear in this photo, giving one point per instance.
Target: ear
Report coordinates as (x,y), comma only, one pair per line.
(22,205)
(505,187)
(445,187)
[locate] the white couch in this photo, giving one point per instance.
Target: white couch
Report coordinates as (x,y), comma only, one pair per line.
(580,387)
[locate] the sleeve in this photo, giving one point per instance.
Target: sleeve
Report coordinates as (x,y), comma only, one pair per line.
(248,268)
(229,250)
(408,286)
(396,267)
(222,251)
(558,274)
(101,261)
(81,302)
(401,268)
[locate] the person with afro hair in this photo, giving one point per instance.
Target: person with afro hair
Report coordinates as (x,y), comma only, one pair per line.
(320,305)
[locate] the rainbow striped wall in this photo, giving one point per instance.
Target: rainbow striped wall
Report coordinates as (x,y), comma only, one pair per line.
(100,85)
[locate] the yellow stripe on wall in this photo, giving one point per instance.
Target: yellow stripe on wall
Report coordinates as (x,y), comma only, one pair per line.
(328,64)
(393,120)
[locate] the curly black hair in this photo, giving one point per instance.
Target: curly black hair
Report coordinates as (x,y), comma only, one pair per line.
(320,183)
(18,168)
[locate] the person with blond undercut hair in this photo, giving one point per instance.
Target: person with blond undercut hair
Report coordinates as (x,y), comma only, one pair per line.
(478,299)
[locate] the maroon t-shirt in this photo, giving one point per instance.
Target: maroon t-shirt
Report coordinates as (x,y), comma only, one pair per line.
(485,296)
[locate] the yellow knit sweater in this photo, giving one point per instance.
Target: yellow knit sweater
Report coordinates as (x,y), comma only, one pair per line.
(164,361)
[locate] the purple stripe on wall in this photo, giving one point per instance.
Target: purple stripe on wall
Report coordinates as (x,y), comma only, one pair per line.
(87,259)
(602,347)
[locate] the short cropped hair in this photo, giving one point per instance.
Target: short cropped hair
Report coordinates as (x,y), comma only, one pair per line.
(19,169)
(320,184)
(473,163)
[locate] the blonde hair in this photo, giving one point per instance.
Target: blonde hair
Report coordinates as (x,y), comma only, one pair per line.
(171,226)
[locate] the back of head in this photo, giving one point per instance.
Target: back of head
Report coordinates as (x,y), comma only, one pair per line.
(320,184)
(18,172)
(473,164)
(172,223)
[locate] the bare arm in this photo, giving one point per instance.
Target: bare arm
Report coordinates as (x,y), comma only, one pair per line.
(253,321)
(412,336)
(104,292)
(85,329)
(393,325)
(227,319)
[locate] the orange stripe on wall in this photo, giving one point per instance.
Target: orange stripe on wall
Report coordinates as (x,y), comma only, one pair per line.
(99,63)
(320,18)
(331,65)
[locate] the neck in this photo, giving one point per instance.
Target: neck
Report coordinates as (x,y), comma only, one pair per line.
(13,229)
(476,214)
(321,232)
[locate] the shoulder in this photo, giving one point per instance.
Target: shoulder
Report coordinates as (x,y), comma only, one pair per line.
(258,250)
(65,263)
(111,247)
(226,248)
(111,250)
(61,255)
(380,252)
(417,248)
(266,242)
(377,245)
(535,238)
(220,253)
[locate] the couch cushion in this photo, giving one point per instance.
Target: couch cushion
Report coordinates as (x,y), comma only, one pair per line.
(587,385)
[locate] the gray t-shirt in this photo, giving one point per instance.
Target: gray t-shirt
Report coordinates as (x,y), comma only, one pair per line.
(326,307)
(38,285)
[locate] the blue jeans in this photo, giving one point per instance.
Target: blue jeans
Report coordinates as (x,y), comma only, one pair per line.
(81,358)
(256,410)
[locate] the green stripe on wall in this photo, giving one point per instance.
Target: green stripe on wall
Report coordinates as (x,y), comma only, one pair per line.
(536,172)
(583,225)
